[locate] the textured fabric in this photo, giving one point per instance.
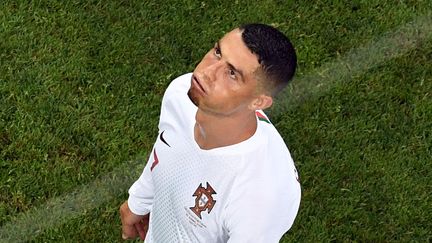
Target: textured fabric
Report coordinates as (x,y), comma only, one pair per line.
(247,192)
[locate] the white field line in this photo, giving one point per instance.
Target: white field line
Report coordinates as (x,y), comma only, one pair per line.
(60,210)
(355,62)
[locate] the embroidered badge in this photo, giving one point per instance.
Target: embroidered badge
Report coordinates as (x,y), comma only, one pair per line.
(204,200)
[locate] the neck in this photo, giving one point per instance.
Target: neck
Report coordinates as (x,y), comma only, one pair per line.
(214,131)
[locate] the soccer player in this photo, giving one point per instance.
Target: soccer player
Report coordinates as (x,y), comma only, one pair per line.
(219,171)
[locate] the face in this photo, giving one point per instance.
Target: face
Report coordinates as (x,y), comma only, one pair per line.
(224,81)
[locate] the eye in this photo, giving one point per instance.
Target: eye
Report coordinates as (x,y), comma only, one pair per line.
(232,74)
(217,52)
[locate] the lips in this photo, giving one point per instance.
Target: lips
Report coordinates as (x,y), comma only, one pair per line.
(196,82)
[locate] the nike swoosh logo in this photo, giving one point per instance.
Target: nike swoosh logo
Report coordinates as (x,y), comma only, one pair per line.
(163,139)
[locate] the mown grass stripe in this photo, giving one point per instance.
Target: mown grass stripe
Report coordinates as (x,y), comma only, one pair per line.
(59,210)
(355,62)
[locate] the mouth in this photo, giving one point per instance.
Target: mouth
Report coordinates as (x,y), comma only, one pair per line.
(196,82)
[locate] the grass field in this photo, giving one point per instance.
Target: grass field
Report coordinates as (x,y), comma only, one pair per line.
(80,90)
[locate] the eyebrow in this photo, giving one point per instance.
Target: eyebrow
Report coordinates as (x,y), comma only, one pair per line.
(229,64)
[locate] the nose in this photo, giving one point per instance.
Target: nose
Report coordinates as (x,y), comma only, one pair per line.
(211,69)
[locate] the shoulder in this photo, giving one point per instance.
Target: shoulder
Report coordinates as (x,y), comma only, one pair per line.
(280,161)
(179,86)
(276,151)
(177,110)
(266,193)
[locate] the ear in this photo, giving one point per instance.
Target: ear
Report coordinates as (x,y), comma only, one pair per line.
(261,102)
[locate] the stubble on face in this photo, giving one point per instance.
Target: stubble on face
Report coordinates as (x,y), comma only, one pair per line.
(192,97)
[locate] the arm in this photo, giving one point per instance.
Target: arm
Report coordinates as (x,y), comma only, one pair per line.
(133,225)
(134,212)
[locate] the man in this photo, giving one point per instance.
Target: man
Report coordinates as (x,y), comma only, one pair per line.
(219,171)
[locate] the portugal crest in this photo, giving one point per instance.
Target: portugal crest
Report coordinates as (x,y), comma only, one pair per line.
(204,200)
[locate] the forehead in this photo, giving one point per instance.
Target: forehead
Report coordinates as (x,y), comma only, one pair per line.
(235,51)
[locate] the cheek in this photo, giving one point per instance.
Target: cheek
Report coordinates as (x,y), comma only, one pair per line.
(225,95)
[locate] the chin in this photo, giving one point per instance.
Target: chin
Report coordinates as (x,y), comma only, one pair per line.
(193,97)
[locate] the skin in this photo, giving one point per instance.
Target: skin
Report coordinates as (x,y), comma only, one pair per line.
(225,86)
(133,225)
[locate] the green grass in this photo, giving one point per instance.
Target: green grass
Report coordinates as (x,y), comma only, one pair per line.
(365,153)
(81,84)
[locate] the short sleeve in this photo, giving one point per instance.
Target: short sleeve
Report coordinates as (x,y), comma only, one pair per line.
(142,191)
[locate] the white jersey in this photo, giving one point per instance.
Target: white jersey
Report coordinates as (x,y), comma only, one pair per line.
(247,192)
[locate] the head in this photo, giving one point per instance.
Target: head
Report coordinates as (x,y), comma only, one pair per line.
(275,53)
(243,71)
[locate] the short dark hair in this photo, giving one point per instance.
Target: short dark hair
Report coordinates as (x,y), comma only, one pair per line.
(276,54)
